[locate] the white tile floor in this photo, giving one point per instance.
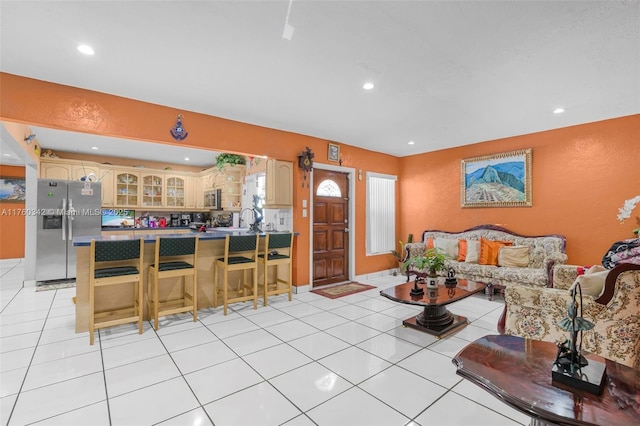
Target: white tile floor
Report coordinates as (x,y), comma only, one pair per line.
(312,361)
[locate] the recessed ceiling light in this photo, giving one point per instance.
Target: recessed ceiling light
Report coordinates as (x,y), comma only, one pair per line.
(412,143)
(368,86)
(94,147)
(186,158)
(7,155)
(558,110)
(86,49)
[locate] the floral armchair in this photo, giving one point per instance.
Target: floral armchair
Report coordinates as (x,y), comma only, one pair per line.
(534,313)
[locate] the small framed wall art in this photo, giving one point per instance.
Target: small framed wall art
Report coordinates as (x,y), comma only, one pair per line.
(334,152)
(497,180)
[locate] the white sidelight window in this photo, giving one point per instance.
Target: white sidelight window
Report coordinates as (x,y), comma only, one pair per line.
(381,213)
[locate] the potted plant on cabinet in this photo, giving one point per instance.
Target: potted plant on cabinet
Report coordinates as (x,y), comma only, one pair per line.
(226,158)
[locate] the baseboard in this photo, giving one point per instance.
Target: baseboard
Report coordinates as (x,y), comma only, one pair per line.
(302,289)
(378,274)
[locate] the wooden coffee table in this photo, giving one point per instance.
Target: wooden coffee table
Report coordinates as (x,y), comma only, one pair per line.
(436,318)
(517,371)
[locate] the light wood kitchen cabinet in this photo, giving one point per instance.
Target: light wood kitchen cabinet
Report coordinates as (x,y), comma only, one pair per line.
(190,198)
(106,179)
(55,169)
(176,191)
(279,184)
(152,190)
(127,188)
(230,182)
(78,172)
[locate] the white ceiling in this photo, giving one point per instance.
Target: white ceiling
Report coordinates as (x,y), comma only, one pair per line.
(447,73)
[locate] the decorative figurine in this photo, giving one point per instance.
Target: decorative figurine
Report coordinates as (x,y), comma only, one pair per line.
(570,367)
(451,280)
(178,132)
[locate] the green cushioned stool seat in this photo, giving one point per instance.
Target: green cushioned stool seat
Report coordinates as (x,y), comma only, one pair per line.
(113,272)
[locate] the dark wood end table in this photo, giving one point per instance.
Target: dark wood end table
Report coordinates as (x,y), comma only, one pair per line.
(517,371)
(436,318)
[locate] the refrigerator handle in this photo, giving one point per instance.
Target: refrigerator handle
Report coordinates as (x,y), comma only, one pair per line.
(64,218)
(72,212)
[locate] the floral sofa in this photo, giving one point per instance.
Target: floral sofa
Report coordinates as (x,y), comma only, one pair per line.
(543,253)
(534,313)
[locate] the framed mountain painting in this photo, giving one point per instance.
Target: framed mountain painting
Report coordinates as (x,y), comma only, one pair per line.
(497,180)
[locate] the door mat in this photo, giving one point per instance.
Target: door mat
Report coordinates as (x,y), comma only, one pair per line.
(55,285)
(342,290)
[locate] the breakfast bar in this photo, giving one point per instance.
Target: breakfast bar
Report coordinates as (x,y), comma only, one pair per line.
(210,247)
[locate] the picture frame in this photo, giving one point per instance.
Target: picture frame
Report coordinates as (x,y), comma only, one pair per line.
(334,152)
(12,189)
(497,180)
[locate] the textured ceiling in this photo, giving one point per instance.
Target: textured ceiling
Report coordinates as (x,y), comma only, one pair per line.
(447,73)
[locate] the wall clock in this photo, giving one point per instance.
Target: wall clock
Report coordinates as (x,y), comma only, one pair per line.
(305,162)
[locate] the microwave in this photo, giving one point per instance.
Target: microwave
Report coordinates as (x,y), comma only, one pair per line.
(213,199)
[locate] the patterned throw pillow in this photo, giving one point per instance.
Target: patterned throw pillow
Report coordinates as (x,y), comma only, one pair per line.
(489,251)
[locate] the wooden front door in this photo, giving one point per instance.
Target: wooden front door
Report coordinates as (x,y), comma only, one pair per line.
(330,227)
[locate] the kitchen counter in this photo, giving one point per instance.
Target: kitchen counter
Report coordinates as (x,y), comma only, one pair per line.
(209,234)
(210,247)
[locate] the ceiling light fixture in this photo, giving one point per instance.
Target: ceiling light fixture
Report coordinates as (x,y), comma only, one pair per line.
(7,155)
(94,147)
(368,86)
(412,143)
(186,158)
(86,49)
(558,110)
(288,28)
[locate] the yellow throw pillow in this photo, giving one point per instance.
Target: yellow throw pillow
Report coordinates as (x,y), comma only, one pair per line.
(489,251)
(513,256)
(473,252)
(592,284)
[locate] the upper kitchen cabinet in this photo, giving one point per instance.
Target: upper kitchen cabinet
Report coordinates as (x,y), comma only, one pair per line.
(106,179)
(127,188)
(230,182)
(279,184)
(152,190)
(176,191)
(55,168)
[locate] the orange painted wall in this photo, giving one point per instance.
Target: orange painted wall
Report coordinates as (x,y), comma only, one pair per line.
(11,220)
(581,175)
(29,101)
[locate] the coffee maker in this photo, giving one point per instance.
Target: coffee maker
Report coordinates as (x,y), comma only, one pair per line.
(185,219)
(174,222)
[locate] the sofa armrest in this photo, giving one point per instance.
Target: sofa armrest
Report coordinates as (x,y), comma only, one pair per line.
(550,261)
(414,249)
(564,275)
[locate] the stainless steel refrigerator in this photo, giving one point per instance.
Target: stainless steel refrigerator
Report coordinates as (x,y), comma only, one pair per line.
(66,209)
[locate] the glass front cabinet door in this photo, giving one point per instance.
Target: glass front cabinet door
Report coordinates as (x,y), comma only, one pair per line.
(127,189)
(152,190)
(175,191)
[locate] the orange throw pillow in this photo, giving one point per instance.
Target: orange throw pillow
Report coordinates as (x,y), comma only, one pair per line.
(489,251)
(462,250)
(430,243)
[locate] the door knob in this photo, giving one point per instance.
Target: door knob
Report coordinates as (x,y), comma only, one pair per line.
(346,229)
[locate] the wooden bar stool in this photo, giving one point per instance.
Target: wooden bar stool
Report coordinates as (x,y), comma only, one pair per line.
(240,254)
(277,252)
(115,263)
(174,257)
